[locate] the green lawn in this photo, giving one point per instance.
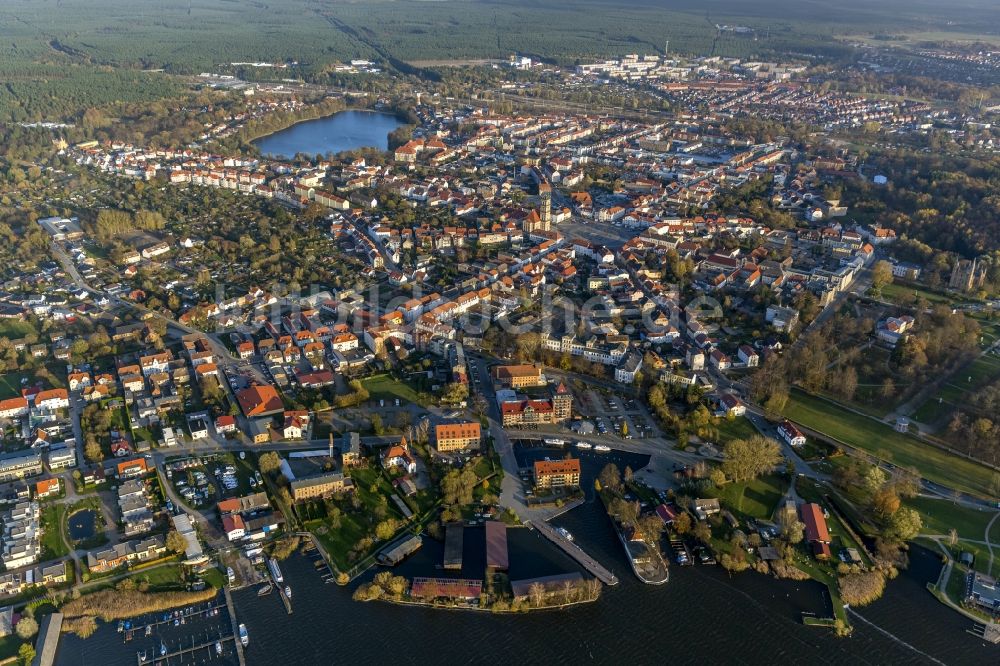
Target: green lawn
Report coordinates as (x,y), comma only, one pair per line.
(10,383)
(980,372)
(338,542)
(756,499)
(940,516)
(385,387)
(369,485)
(9,645)
(215,578)
(884,442)
(903,292)
(167,577)
(981,561)
(738,428)
(52,541)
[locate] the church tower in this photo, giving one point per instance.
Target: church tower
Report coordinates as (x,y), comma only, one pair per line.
(545,194)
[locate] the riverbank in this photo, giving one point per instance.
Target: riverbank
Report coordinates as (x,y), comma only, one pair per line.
(486,609)
(81,615)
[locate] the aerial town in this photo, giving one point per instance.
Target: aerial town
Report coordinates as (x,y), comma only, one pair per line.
(508,355)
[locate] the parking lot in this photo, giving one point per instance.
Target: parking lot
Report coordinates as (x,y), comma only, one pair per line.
(613,414)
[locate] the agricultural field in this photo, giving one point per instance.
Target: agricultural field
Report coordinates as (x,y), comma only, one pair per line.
(884,442)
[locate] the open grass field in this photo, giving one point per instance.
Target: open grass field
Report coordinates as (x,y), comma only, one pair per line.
(907,292)
(52,525)
(755,499)
(982,371)
(387,388)
(11,383)
(940,516)
(738,428)
(883,442)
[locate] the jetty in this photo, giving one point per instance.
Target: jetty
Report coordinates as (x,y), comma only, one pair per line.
(131,633)
(208,645)
(284,598)
(320,563)
(988,632)
(586,561)
(236,632)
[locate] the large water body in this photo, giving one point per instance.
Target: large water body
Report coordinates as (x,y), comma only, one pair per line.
(347,130)
(702,616)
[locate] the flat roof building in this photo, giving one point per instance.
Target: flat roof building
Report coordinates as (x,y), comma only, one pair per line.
(454,545)
(496,546)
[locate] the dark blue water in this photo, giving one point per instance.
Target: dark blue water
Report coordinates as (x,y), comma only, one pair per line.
(82,524)
(347,130)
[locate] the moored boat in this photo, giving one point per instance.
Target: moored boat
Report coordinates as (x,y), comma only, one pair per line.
(272,564)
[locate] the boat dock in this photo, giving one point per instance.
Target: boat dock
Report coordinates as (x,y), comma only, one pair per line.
(577,553)
(236,632)
(988,632)
(132,633)
(284,598)
(322,566)
(208,645)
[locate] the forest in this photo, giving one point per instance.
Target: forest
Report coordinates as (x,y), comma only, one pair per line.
(935,197)
(58,58)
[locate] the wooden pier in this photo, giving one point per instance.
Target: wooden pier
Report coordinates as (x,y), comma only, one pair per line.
(163,660)
(236,631)
(130,634)
(284,598)
(988,632)
(319,555)
(577,553)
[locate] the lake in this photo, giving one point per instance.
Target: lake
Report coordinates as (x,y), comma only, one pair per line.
(347,130)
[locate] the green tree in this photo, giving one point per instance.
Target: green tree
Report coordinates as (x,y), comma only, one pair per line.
(904,525)
(269,462)
(26,627)
(747,459)
(176,542)
(25,654)
(881,276)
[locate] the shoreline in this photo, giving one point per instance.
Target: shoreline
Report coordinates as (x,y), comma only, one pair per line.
(480,609)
